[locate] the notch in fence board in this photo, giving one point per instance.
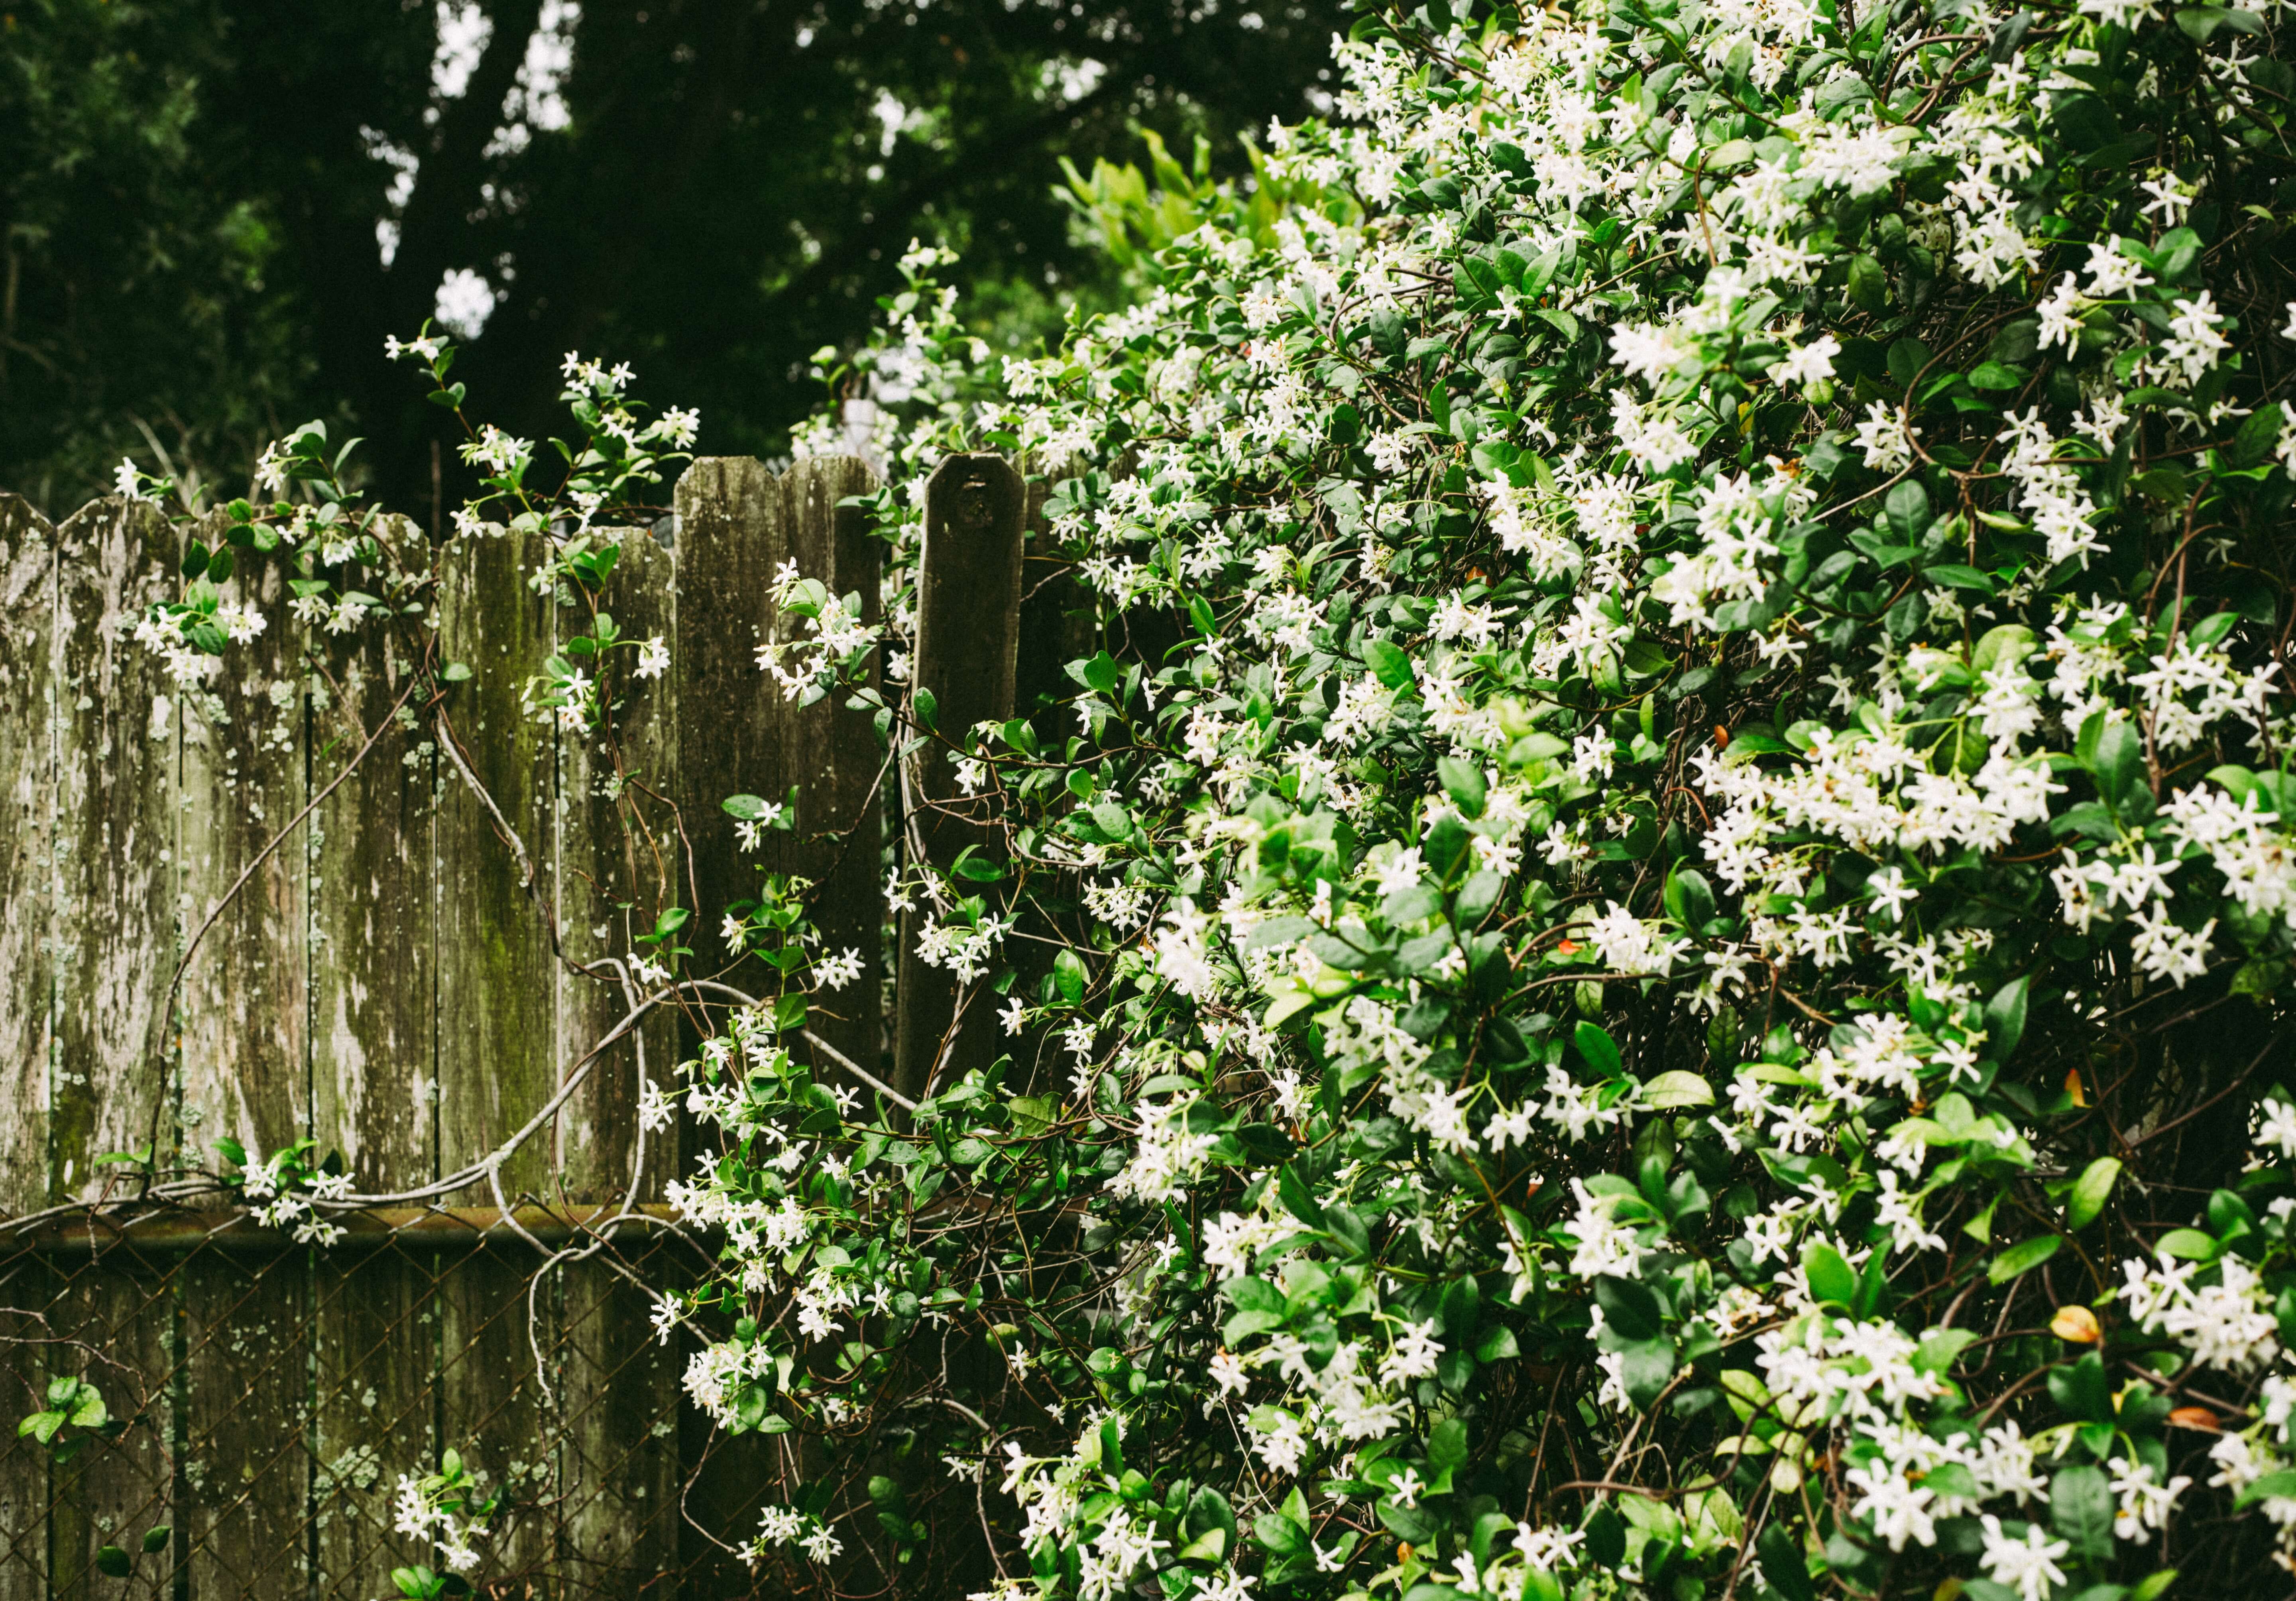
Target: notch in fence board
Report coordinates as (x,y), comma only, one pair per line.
(117,847)
(736,525)
(968,621)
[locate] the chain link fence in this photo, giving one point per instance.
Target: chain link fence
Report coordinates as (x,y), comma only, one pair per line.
(261,1400)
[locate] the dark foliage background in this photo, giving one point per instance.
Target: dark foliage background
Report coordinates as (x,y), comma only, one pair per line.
(190,192)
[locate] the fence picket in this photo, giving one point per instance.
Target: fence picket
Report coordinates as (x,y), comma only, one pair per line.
(968,621)
(497,1039)
(830,752)
(27,607)
(388,981)
(617,859)
(373,1009)
(117,857)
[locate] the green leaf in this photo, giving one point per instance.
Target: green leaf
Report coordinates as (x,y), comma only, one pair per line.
(2009,642)
(1908,509)
(2187,1244)
(2082,1390)
(1447,1446)
(454,672)
(2281,1485)
(928,706)
(1298,1196)
(748,808)
(1630,1306)
(1388,662)
(1600,1050)
(1996,376)
(1941,1347)
(2091,1190)
(2022,1257)
(2005,1019)
(155,1538)
(1646,1367)
(1279,1534)
(1783,1563)
(114,1563)
(1689,897)
(1677,1088)
(1464,782)
(1831,1277)
(2081,1509)
(1069,976)
(2154,1586)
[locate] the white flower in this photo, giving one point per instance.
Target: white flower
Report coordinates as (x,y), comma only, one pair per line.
(2028,1565)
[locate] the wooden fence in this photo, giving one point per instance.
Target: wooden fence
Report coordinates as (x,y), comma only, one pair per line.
(384,982)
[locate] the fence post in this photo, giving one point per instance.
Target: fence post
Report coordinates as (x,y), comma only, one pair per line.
(968,626)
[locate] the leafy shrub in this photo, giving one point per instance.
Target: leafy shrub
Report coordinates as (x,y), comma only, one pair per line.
(1678,985)
(1675,984)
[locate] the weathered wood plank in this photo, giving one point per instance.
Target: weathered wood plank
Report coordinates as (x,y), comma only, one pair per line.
(498,1051)
(374,1340)
(729,536)
(968,618)
(117,857)
(374,1006)
(245,1072)
(495,1043)
(373,965)
(1058,624)
(28,1285)
(28,794)
(832,755)
(245,998)
(492,1404)
(619,1521)
(620,863)
(619,866)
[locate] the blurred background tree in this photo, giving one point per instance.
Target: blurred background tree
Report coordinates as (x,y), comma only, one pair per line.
(214,212)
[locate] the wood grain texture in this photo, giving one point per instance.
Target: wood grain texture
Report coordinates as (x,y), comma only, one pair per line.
(831,754)
(117,851)
(28,796)
(496,1043)
(246,878)
(729,527)
(617,865)
(968,617)
(373,1081)
(373,967)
